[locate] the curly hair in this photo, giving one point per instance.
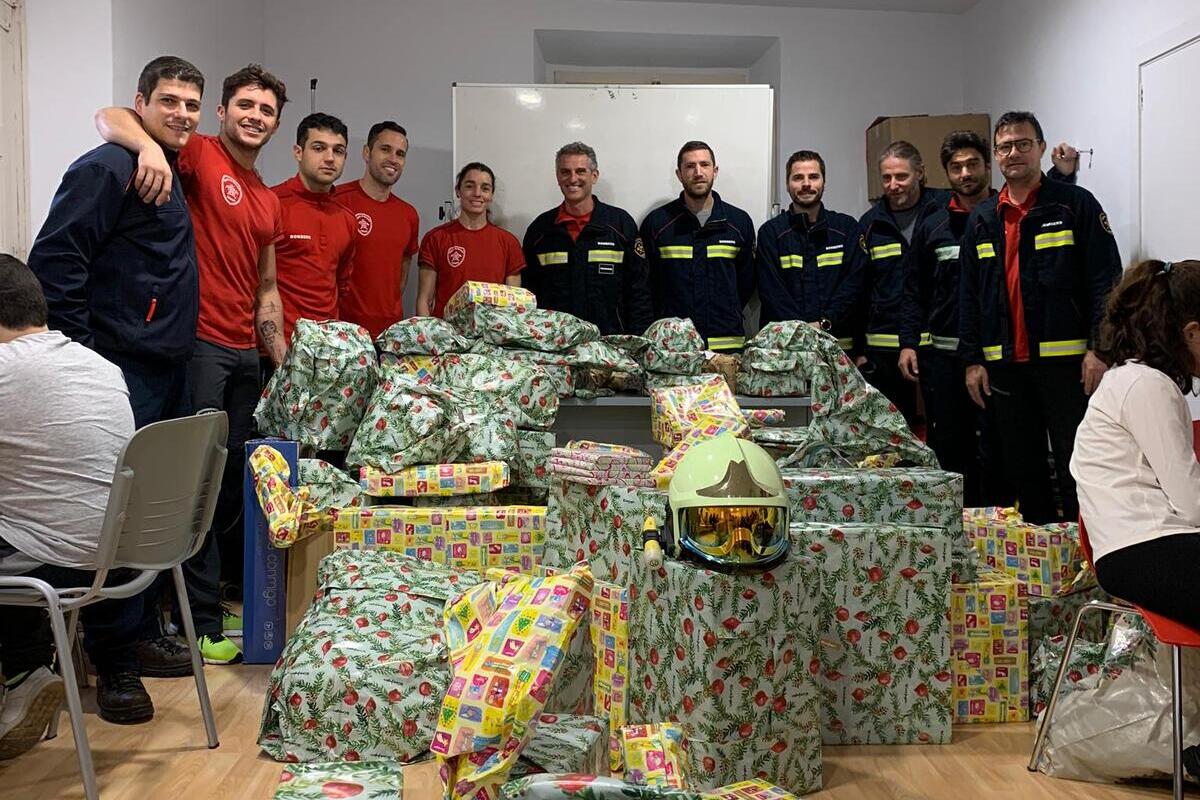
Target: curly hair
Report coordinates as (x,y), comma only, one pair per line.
(1145,315)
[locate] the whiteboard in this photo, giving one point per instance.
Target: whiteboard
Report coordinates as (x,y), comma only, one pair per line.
(636,132)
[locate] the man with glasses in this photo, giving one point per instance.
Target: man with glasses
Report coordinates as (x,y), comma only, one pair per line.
(1037,263)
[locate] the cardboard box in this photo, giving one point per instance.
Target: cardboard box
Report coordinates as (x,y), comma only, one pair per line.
(926,133)
(265,567)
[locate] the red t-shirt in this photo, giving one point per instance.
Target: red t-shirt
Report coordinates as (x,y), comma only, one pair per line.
(313,260)
(575,225)
(387,238)
(235,216)
(489,254)
(1012,215)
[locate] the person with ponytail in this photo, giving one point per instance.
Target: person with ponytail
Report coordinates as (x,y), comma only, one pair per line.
(1136,471)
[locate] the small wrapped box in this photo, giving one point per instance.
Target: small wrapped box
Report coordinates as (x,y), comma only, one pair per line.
(655,755)
(436,480)
(989,644)
(1043,558)
(460,308)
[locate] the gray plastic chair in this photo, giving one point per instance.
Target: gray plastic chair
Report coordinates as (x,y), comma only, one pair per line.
(164,494)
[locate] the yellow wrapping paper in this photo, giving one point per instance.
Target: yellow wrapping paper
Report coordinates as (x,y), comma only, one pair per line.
(610,642)
(423,368)
(676,410)
(282,505)
(750,790)
(655,755)
(491,294)
(989,650)
(436,480)
(1045,559)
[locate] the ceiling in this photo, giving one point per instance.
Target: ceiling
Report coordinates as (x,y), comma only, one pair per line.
(932,6)
(606,49)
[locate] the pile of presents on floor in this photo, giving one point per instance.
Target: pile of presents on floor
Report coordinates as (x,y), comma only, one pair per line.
(487,603)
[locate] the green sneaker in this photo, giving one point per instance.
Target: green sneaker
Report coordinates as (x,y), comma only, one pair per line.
(219,650)
(231,624)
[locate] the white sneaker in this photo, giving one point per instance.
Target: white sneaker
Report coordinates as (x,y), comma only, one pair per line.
(27,711)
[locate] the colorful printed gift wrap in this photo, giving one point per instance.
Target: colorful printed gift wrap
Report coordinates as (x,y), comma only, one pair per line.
(460,308)
(533,458)
(422,369)
(674,412)
(989,642)
(917,496)
(750,790)
(1043,558)
(600,525)
(655,755)
(472,537)
(421,336)
(609,631)
(586,787)
(506,641)
(318,394)
(883,648)
(371,780)
(440,480)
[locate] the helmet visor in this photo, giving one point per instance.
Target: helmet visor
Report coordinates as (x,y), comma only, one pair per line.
(737,534)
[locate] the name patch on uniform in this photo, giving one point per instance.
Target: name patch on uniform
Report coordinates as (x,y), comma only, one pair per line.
(605,269)
(946,253)
(607,244)
(299,236)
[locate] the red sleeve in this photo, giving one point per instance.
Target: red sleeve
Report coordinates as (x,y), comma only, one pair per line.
(428,256)
(346,263)
(277,209)
(514,257)
(415,222)
(189,156)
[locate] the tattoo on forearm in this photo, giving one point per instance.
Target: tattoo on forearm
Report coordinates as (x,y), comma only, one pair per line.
(268,329)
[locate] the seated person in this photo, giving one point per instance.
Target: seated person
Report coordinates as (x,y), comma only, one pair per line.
(66,418)
(1139,482)
(468,248)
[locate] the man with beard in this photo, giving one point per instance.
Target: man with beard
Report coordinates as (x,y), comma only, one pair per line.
(387,232)
(1038,261)
(811,259)
(238,222)
(319,233)
(585,257)
(700,253)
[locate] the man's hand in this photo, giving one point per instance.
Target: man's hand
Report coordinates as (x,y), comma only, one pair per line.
(1091,373)
(977,384)
(860,360)
(154,178)
(816,323)
(908,364)
(1065,158)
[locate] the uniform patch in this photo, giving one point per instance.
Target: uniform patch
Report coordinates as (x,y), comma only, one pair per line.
(231,190)
(456,254)
(364,222)
(639,248)
(606,269)
(1104,223)
(862,242)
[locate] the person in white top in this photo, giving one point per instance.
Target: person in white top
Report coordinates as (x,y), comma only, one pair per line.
(1137,475)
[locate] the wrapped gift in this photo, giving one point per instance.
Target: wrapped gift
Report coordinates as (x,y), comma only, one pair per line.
(565,743)
(533,458)
(519,391)
(407,423)
(586,787)
(763,417)
(369,779)
(655,755)
(532,328)
(1053,616)
(750,790)
(989,642)
(601,525)
(560,376)
(668,380)
(438,480)
(421,336)
(384,572)
(421,368)
(675,412)
(1043,558)
(1087,660)
(772,373)
(676,347)
(790,757)
(884,654)
(473,537)
(460,308)
(601,355)
(609,631)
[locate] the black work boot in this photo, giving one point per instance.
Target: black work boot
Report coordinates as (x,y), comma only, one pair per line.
(122,699)
(164,657)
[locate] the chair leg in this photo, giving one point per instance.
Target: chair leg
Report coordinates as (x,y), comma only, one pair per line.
(1177,717)
(69,654)
(1039,743)
(62,643)
(185,614)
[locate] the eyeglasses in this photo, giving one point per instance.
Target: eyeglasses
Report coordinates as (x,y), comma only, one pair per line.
(1021,145)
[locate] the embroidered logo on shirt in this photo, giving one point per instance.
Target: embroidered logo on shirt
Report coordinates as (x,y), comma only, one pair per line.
(456,254)
(299,236)
(365,223)
(639,248)
(1104,223)
(231,190)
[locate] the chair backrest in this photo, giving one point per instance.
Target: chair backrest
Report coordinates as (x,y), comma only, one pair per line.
(164,492)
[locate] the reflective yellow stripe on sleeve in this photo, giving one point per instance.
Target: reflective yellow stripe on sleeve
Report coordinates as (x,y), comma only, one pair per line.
(723,251)
(1044,241)
(1067,347)
(546,259)
(993,353)
(829,259)
(886,251)
(611,256)
(945,343)
(726,342)
(791,262)
(889,340)
(985,250)
(926,340)
(675,251)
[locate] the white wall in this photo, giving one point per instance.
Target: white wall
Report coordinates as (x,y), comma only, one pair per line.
(1074,64)
(69,58)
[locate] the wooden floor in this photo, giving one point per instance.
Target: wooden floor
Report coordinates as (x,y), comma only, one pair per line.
(167,758)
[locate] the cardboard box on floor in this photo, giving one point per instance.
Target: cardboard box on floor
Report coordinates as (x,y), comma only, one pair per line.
(926,133)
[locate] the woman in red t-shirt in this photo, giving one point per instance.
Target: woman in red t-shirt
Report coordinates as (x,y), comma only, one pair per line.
(469,247)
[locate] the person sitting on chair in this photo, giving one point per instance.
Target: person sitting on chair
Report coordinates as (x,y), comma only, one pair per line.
(66,419)
(1138,479)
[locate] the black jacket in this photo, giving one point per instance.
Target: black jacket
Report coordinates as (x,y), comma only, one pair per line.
(704,273)
(813,271)
(600,277)
(119,275)
(1068,263)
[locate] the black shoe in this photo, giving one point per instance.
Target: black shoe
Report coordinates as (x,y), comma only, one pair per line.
(123,700)
(1191,761)
(164,657)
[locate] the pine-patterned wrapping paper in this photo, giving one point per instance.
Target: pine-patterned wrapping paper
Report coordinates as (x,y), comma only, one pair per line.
(460,308)
(559,376)
(319,393)
(600,525)
(772,373)
(882,642)
(421,336)
(1087,660)
(472,537)
(917,496)
(407,423)
(370,780)
(1043,558)
(676,347)
(989,630)
(519,392)
(764,417)
(750,790)
(566,743)
(436,480)
(533,328)
(655,755)
(726,656)
(506,642)
(586,787)
(533,458)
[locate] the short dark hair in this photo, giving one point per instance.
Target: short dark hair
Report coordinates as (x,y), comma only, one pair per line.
(254,75)
(22,304)
(803,155)
(474,165)
(170,68)
(320,122)
(1145,314)
(1017,118)
(689,147)
(964,140)
(380,127)
(577,149)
